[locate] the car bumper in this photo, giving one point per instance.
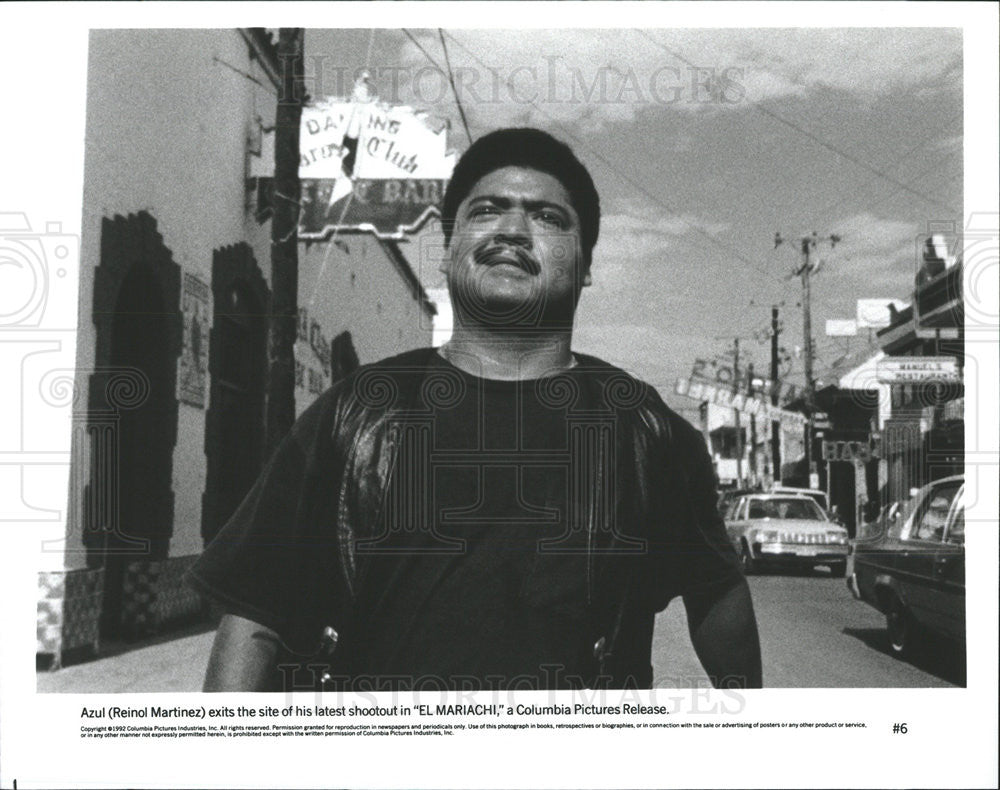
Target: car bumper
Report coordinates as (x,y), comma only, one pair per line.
(805,554)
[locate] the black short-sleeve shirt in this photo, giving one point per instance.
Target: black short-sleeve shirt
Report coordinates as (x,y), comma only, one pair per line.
(492,592)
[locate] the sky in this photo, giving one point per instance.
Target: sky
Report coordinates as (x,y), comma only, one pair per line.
(703,145)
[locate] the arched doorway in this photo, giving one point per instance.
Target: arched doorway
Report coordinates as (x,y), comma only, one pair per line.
(132,407)
(237,362)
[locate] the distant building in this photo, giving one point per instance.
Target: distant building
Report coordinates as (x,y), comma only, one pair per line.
(171,357)
(923,436)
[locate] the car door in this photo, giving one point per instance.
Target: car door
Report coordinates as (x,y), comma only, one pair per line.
(920,584)
(734,521)
(949,572)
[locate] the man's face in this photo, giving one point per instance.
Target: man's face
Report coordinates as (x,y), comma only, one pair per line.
(515,256)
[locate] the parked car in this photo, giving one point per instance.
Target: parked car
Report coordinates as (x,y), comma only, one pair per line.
(911,567)
(727,499)
(784,530)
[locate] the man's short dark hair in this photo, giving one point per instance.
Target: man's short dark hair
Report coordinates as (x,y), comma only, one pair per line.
(525,148)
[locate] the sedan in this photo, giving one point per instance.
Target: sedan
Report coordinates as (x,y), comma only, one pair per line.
(777,530)
(912,566)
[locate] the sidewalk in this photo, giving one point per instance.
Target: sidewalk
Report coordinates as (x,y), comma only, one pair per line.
(169,663)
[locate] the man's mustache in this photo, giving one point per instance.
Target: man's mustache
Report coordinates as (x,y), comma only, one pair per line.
(492,252)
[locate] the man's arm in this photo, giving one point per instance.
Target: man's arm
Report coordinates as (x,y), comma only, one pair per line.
(243,656)
(724,634)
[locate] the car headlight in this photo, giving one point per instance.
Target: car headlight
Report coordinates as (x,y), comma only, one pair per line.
(836,537)
(766,536)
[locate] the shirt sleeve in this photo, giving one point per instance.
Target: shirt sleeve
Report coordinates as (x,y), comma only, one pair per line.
(697,554)
(275,562)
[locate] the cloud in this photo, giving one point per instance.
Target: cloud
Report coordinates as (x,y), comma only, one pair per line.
(594,78)
(874,251)
(793,62)
(639,233)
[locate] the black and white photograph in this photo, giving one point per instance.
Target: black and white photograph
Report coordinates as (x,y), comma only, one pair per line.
(502,379)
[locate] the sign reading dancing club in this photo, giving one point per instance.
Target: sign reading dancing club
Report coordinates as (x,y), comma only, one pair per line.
(365,165)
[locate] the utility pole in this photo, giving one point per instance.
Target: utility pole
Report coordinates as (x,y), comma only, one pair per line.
(736,413)
(775,424)
(808,245)
(752,476)
(280,413)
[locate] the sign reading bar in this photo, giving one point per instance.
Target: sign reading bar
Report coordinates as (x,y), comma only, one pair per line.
(851,451)
(389,207)
(724,396)
(916,370)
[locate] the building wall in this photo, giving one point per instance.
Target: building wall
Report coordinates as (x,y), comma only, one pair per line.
(169,116)
(167,126)
(352,283)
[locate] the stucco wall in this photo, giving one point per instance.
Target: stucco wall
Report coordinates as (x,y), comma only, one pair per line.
(167,124)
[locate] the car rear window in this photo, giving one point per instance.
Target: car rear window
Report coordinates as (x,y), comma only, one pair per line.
(931,517)
(791,507)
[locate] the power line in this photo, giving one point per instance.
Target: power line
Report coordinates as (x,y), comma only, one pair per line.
(451,79)
(447,70)
(733,251)
(815,138)
(762,268)
(895,163)
(419,46)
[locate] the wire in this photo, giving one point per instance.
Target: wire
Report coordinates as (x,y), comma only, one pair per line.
(371,41)
(419,46)
(330,244)
(447,71)
(895,163)
(815,138)
(451,79)
(764,269)
(640,187)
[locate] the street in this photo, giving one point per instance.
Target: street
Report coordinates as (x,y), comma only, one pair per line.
(813,635)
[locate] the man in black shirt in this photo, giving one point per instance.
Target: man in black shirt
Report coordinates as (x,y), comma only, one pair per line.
(499,513)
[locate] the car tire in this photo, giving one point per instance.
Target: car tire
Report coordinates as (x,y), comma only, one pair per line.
(899,628)
(747,561)
(838,570)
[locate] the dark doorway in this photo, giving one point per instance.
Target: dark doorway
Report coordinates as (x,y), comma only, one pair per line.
(140,341)
(132,411)
(234,431)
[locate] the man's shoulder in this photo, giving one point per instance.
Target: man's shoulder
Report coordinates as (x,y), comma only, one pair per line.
(623,389)
(377,384)
(406,362)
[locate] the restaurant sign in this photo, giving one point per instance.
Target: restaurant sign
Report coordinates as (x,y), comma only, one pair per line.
(916,370)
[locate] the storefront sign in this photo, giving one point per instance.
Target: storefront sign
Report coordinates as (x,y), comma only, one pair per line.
(916,370)
(876,313)
(745,404)
(720,373)
(839,327)
(364,165)
(852,451)
(389,207)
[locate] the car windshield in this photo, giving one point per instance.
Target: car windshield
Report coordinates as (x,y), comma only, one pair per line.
(790,507)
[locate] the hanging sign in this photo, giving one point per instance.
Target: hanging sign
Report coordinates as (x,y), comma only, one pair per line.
(364,165)
(745,404)
(916,370)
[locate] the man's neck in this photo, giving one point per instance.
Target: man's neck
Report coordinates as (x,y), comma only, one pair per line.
(509,355)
